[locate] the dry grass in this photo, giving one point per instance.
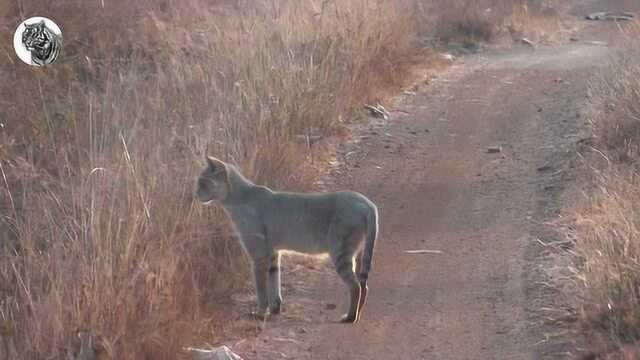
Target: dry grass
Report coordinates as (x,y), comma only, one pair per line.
(468,22)
(605,226)
(100,233)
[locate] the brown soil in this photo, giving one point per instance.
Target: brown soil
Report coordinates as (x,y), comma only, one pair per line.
(438,188)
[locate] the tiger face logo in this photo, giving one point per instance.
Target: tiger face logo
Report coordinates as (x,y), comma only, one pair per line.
(41,42)
(38,41)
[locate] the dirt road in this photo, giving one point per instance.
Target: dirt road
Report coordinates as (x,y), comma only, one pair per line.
(439,188)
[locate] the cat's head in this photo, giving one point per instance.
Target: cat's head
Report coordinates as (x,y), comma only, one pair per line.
(213,182)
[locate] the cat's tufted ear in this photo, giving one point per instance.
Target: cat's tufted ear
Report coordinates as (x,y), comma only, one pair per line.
(216,165)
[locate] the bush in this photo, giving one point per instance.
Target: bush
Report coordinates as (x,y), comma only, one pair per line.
(472,21)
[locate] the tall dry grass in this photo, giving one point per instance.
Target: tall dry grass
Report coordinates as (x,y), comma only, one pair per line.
(605,224)
(98,153)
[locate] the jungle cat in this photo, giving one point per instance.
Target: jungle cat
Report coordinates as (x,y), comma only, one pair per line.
(343,224)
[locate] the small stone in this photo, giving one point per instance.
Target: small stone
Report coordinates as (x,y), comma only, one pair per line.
(610,16)
(220,353)
(302,331)
(526,42)
(330,306)
(448,57)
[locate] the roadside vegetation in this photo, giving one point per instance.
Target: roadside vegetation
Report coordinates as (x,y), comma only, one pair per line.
(469,23)
(101,243)
(604,225)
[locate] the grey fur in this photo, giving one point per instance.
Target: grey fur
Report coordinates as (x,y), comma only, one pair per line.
(343,224)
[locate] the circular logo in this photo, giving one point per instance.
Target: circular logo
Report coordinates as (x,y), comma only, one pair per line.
(37,41)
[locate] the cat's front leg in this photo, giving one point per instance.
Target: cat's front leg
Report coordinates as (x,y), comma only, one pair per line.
(275,295)
(260,274)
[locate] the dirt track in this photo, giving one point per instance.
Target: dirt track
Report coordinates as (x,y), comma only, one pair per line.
(438,188)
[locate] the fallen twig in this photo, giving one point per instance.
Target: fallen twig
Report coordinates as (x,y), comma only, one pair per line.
(423,251)
(377,111)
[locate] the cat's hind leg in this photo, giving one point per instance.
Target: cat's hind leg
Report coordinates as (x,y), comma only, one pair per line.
(342,254)
(364,289)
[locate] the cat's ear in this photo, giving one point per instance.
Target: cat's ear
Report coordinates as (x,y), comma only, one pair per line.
(216,165)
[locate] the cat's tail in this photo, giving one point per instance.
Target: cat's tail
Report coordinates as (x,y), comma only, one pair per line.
(369,245)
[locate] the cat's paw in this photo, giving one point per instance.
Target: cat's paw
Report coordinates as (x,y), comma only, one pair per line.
(349,319)
(259,315)
(276,307)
